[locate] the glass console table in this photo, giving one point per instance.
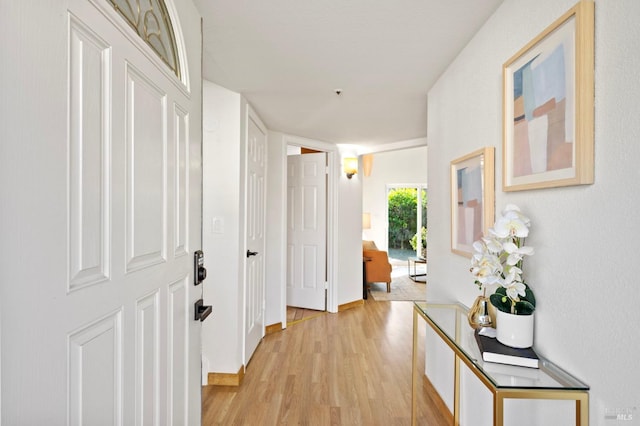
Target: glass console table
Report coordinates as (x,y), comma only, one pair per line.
(449,321)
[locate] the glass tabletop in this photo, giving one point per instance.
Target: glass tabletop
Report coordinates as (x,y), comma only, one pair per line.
(451,320)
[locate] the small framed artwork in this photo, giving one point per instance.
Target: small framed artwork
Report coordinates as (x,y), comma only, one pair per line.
(472,199)
(548,106)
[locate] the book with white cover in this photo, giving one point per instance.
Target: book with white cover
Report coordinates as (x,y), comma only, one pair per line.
(515,375)
(494,351)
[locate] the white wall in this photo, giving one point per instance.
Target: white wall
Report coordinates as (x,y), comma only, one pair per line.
(407,166)
(222,331)
(585,269)
(349,223)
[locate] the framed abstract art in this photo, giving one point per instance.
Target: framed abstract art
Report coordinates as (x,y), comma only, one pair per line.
(548,106)
(472,199)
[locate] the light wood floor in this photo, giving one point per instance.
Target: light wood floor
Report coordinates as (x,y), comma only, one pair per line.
(296,315)
(350,368)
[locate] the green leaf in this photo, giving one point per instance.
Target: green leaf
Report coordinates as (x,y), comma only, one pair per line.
(524,308)
(529,296)
(496,300)
(501,291)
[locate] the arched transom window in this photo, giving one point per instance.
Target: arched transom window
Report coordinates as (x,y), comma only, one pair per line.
(151,21)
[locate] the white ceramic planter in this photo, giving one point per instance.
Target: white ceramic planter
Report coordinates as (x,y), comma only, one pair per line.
(514,330)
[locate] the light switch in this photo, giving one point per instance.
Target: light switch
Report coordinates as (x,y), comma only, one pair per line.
(217,225)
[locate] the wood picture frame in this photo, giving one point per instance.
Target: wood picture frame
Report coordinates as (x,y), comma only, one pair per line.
(548,108)
(472,199)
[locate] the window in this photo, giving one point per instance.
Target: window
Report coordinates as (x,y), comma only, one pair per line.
(149,18)
(406,220)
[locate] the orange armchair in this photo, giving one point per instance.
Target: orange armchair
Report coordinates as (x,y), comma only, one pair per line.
(377,266)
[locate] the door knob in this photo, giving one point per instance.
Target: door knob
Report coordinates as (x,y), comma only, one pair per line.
(251,253)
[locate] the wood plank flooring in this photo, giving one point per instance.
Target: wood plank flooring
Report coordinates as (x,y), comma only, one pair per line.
(350,368)
(295,315)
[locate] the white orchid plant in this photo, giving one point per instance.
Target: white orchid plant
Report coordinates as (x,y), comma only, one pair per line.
(498,261)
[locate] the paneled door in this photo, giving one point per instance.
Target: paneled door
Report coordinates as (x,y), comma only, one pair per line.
(101,213)
(254,296)
(306,230)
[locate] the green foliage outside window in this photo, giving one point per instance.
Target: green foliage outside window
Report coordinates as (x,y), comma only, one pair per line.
(423,238)
(403,216)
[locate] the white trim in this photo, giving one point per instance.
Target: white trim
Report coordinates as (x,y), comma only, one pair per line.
(283,227)
(310,143)
(178,36)
(242,227)
(332,227)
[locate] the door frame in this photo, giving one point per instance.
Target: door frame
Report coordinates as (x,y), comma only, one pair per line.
(333,158)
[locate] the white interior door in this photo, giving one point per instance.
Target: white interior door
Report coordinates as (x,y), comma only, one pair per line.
(306,230)
(256,160)
(97,266)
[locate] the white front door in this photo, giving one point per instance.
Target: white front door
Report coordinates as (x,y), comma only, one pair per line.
(306,230)
(101,212)
(256,160)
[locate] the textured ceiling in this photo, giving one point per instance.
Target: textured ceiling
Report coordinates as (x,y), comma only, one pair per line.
(288,57)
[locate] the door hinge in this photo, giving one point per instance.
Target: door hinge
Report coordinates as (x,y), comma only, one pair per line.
(326,285)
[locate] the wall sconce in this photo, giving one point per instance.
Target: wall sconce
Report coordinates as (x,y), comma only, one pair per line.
(350,165)
(367,164)
(366,220)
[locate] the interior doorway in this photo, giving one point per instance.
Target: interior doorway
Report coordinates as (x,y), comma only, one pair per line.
(407,221)
(306,270)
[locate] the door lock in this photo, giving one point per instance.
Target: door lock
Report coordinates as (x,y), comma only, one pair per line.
(251,253)
(199,271)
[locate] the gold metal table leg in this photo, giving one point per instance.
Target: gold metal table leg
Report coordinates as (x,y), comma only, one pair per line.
(414,367)
(498,409)
(456,390)
(582,410)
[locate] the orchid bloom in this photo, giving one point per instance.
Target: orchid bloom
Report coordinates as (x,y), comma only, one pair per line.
(486,268)
(513,273)
(479,246)
(510,225)
(516,253)
(515,210)
(514,286)
(499,254)
(492,243)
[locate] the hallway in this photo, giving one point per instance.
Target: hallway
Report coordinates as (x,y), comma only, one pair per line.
(350,368)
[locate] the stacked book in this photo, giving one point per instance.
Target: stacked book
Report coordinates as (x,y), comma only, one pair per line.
(494,351)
